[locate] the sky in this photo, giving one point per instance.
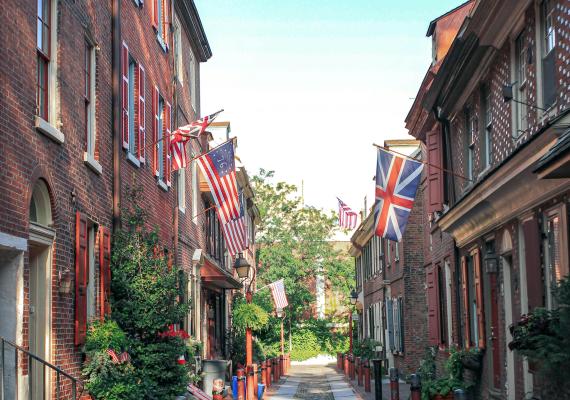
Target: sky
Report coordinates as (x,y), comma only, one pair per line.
(309,86)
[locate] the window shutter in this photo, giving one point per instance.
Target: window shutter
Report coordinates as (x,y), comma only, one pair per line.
(401,308)
(465,295)
(141,113)
(390,317)
(435,175)
(105,271)
(432,300)
(155,13)
(534,281)
(125,94)
(155,128)
(479,298)
(166,21)
(166,147)
(81,275)
(549,78)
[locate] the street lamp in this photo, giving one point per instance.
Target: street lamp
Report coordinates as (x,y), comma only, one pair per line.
(280,314)
(353,297)
(242,267)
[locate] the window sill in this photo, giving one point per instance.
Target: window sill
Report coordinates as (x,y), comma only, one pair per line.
(92,163)
(160,41)
(49,130)
(162,185)
(484,172)
(133,159)
(182,209)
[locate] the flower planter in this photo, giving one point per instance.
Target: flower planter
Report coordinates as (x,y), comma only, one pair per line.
(472,362)
(449,396)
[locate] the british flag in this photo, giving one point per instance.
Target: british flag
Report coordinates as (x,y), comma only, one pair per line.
(397,180)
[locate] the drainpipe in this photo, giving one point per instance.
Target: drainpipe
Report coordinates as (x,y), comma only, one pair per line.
(116,111)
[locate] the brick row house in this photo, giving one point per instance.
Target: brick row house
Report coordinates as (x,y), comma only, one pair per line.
(390,283)
(87,88)
(494,109)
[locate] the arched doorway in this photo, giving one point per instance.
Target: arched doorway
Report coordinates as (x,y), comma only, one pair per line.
(40,248)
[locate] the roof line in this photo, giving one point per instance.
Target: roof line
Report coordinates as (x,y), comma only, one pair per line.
(432,24)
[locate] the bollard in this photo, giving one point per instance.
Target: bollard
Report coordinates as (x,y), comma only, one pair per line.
(338,360)
(260,391)
(394,384)
(459,394)
(346,364)
(235,386)
(359,371)
(249,388)
(351,369)
(415,387)
(275,370)
(241,384)
(262,371)
(377,378)
(282,364)
(367,376)
(268,372)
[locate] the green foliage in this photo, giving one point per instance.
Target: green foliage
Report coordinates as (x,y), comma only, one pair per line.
(315,337)
(365,348)
(237,345)
(249,315)
(144,304)
(542,336)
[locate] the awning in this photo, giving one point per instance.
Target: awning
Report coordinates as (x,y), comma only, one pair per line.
(555,164)
(217,277)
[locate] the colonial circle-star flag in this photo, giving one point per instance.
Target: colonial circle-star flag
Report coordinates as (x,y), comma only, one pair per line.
(397,180)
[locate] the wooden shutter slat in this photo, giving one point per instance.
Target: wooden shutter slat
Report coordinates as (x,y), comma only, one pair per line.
(125,93)
(534,280)
(167,131)
(435,175)
(141,114)
(81,274)
(155,128)
(105,271)
(465,294)
(479,298)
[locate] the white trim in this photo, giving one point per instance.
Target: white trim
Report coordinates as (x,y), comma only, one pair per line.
(162,185)
(527,376)
(92,163)
(507,298)
(133,159)
(49,130)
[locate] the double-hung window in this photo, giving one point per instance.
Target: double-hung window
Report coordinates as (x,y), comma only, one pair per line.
(161,21)
(470,129)
(44,32)
(160,139)
(548,44)
(520,85)
(162,131)
(486,127)
(133,107)
(91,155)
(555,253)
(131,99)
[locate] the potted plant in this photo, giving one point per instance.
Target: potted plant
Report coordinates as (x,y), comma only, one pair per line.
(442,389)
(472,359)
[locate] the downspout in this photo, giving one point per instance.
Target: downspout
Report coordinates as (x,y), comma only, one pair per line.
(116,111)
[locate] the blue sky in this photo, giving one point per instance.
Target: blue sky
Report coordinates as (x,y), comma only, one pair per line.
(309,85)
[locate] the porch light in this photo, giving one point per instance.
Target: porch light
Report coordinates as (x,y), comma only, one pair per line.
(353,297)
(242,267)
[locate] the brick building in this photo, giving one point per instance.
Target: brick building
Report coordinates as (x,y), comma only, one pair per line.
(89,90)
(495,111)
(390,281)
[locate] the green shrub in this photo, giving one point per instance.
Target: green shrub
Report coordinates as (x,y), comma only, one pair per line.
(105,335)
(249,315)
(305,345)
(365,348)
(236,344)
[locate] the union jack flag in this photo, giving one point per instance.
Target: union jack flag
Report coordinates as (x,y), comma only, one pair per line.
(219,170)
(397,180)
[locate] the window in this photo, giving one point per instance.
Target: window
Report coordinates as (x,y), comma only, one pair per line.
(442,306)
(160,140)
(520,85)
(487,124)
(470,130)
(548,44)
(131,99)
(397,257)
(195,190)
(89,98)
(43,44)
(161,21)
(472,305)
(448,287)
(192,72)
(215,244)
(162,130)
(181,186)
(178,57)
(555,253)
(133,108)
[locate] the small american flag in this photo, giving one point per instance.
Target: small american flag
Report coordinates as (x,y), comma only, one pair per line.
(235,232)
(179,159)
(124,357)
(278,293)
(218,168)
(346,217)
(113,356)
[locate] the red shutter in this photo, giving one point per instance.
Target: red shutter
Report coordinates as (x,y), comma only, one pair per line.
(105,271)
(435,175)
(535,291)
(166,21)
(155,128)
(81,275)
(432,303)
(141,114)
(479,297)
(154,12)
(166,146)
(465,294)
(125,93)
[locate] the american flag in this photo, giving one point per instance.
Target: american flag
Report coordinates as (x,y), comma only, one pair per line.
(218,167)
(346,217)
(235,231)
(113,356)
(278,293)
(397,180)
(179,159)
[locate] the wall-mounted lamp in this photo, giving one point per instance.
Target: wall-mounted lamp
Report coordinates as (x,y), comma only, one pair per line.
(64,278)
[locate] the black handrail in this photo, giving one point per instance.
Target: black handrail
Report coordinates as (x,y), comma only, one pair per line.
(31,357)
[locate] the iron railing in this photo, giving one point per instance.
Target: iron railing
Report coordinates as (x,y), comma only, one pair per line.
(60,375)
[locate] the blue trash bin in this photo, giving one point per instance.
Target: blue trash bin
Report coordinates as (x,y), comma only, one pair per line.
(260,391)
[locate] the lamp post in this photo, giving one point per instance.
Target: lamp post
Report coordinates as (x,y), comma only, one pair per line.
(281,315)
(242,268)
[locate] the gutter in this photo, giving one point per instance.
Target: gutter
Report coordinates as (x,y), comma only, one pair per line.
(116,110)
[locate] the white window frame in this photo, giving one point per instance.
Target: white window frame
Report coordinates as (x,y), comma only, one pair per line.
(193,89)
(91,123)
(181,186)
(178,54)
(195,191)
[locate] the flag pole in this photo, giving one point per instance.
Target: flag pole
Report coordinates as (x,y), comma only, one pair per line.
(423,162)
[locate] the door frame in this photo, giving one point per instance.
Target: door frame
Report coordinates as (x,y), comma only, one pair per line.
(507,289)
